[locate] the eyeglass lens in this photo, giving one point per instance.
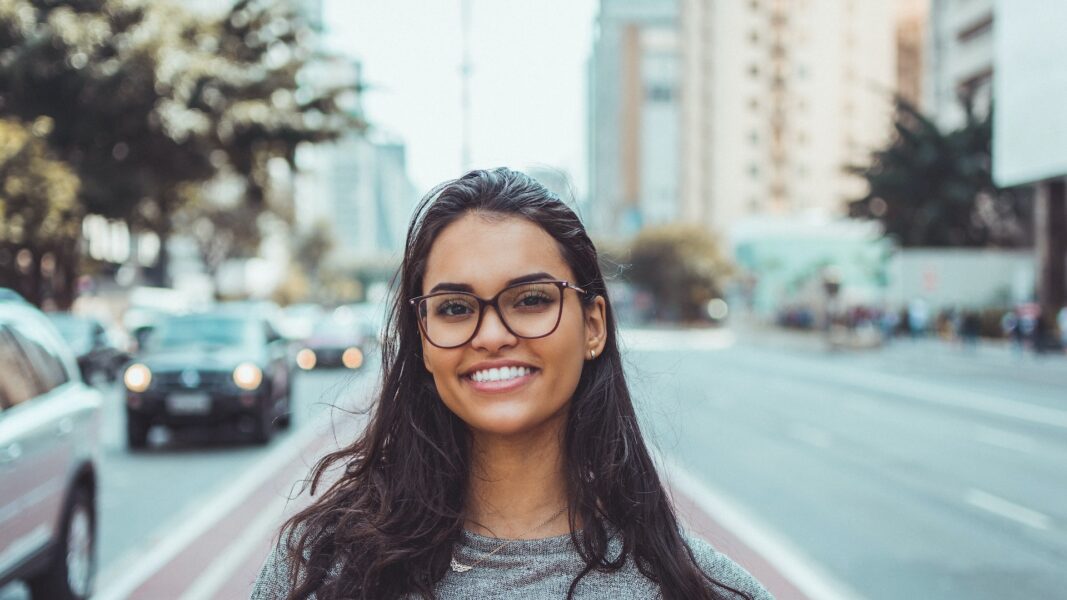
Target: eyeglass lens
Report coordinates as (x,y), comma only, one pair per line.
(529,310)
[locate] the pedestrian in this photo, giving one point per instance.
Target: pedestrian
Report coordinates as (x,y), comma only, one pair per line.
(502,457)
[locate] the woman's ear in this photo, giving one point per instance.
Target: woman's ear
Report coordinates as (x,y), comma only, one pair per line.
(595,326)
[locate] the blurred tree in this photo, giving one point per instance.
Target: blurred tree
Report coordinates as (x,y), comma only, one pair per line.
(681,266)
(39,215)
(150,97)
(313,246)
(931,188)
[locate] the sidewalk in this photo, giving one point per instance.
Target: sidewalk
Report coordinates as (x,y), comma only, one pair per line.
(806,340)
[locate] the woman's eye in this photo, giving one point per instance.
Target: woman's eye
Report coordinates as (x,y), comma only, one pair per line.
(453,309)
(532,300)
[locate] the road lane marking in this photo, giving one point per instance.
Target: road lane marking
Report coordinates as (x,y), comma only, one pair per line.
(224,566)
(807,434)
(932,393)
(123,579)
(790,561)
(1005,439)
(1007,509)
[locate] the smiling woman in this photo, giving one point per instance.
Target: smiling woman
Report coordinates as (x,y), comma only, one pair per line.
(503,457)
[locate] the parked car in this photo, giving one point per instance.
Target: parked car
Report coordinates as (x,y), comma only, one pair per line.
(98,353)
(207,369)
(339,341)
(49,419)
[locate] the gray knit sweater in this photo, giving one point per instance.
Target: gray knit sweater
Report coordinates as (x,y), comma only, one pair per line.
(537,570)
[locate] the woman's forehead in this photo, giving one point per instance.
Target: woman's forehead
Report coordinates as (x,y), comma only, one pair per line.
(486,252)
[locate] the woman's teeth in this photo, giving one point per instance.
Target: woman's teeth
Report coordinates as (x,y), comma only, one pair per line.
(501,374)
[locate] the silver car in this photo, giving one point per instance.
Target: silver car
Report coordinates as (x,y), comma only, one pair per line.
(48,442)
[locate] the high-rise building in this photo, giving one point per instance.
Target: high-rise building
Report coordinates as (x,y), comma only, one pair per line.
(358,184)
(634,116)
(911,42)
(779,97)
(959,59)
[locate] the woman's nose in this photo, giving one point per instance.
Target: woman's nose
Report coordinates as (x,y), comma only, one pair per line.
(492,334)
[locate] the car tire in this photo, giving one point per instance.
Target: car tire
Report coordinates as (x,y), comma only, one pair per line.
(285,419)
(69,575)
(263,424)
(136,432)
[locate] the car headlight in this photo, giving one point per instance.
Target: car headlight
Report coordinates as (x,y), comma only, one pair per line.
(352,358)
(247,376)
(137,377)
(306,359)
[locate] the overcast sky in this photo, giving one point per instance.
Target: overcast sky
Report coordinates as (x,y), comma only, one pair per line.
(527,87)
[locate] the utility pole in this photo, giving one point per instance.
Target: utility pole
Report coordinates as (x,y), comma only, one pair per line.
(465,85)
(1051,245)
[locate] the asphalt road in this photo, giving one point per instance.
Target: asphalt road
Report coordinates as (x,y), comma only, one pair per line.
(915,471)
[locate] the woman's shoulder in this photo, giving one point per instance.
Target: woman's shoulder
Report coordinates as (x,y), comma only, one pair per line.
(721,568)
(275,577)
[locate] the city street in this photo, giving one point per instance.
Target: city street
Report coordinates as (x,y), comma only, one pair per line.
(917,471)
(914,471)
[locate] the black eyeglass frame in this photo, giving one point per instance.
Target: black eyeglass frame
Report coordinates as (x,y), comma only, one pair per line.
(493,302)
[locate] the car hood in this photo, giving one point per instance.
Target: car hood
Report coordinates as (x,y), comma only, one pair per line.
(206,358)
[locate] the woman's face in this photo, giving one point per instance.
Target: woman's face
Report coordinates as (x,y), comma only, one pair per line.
(485,253)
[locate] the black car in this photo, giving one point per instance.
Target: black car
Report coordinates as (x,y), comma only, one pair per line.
(49,423)
(208,369)
(97,354)
(336,342)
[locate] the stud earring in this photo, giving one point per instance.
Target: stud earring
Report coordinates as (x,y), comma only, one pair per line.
(592,355)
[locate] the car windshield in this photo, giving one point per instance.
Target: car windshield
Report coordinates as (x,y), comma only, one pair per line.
(203,330)
(337,327)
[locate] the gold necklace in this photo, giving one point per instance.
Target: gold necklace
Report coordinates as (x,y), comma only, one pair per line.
(459,567)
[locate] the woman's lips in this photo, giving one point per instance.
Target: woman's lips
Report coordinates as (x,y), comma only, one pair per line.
(504,385)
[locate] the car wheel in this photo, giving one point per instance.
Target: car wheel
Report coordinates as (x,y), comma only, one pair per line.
(285,419)
(263,424)
(70,573)
(136,432)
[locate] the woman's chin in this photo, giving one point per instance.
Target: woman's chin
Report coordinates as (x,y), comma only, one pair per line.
(511,423)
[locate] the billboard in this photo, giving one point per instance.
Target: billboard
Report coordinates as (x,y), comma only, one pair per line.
(1029,91)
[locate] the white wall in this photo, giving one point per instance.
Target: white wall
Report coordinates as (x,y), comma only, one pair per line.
(962,278)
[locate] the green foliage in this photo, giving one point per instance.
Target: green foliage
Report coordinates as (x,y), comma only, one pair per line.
(147,98)
(38,194)
(681,266)
(39,213)
(934,188)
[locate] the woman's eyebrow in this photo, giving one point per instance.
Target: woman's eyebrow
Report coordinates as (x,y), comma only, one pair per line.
(464,287)
(451,287)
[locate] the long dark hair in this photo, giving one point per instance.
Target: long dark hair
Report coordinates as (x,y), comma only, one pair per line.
(386,526)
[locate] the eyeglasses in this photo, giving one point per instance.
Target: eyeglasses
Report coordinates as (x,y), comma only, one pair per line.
(527,310)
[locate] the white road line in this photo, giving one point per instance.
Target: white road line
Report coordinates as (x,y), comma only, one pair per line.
(939,394)
(789,560)
(122,579)
(1005,439)
(933,393)
(1007,509)
(224,565)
